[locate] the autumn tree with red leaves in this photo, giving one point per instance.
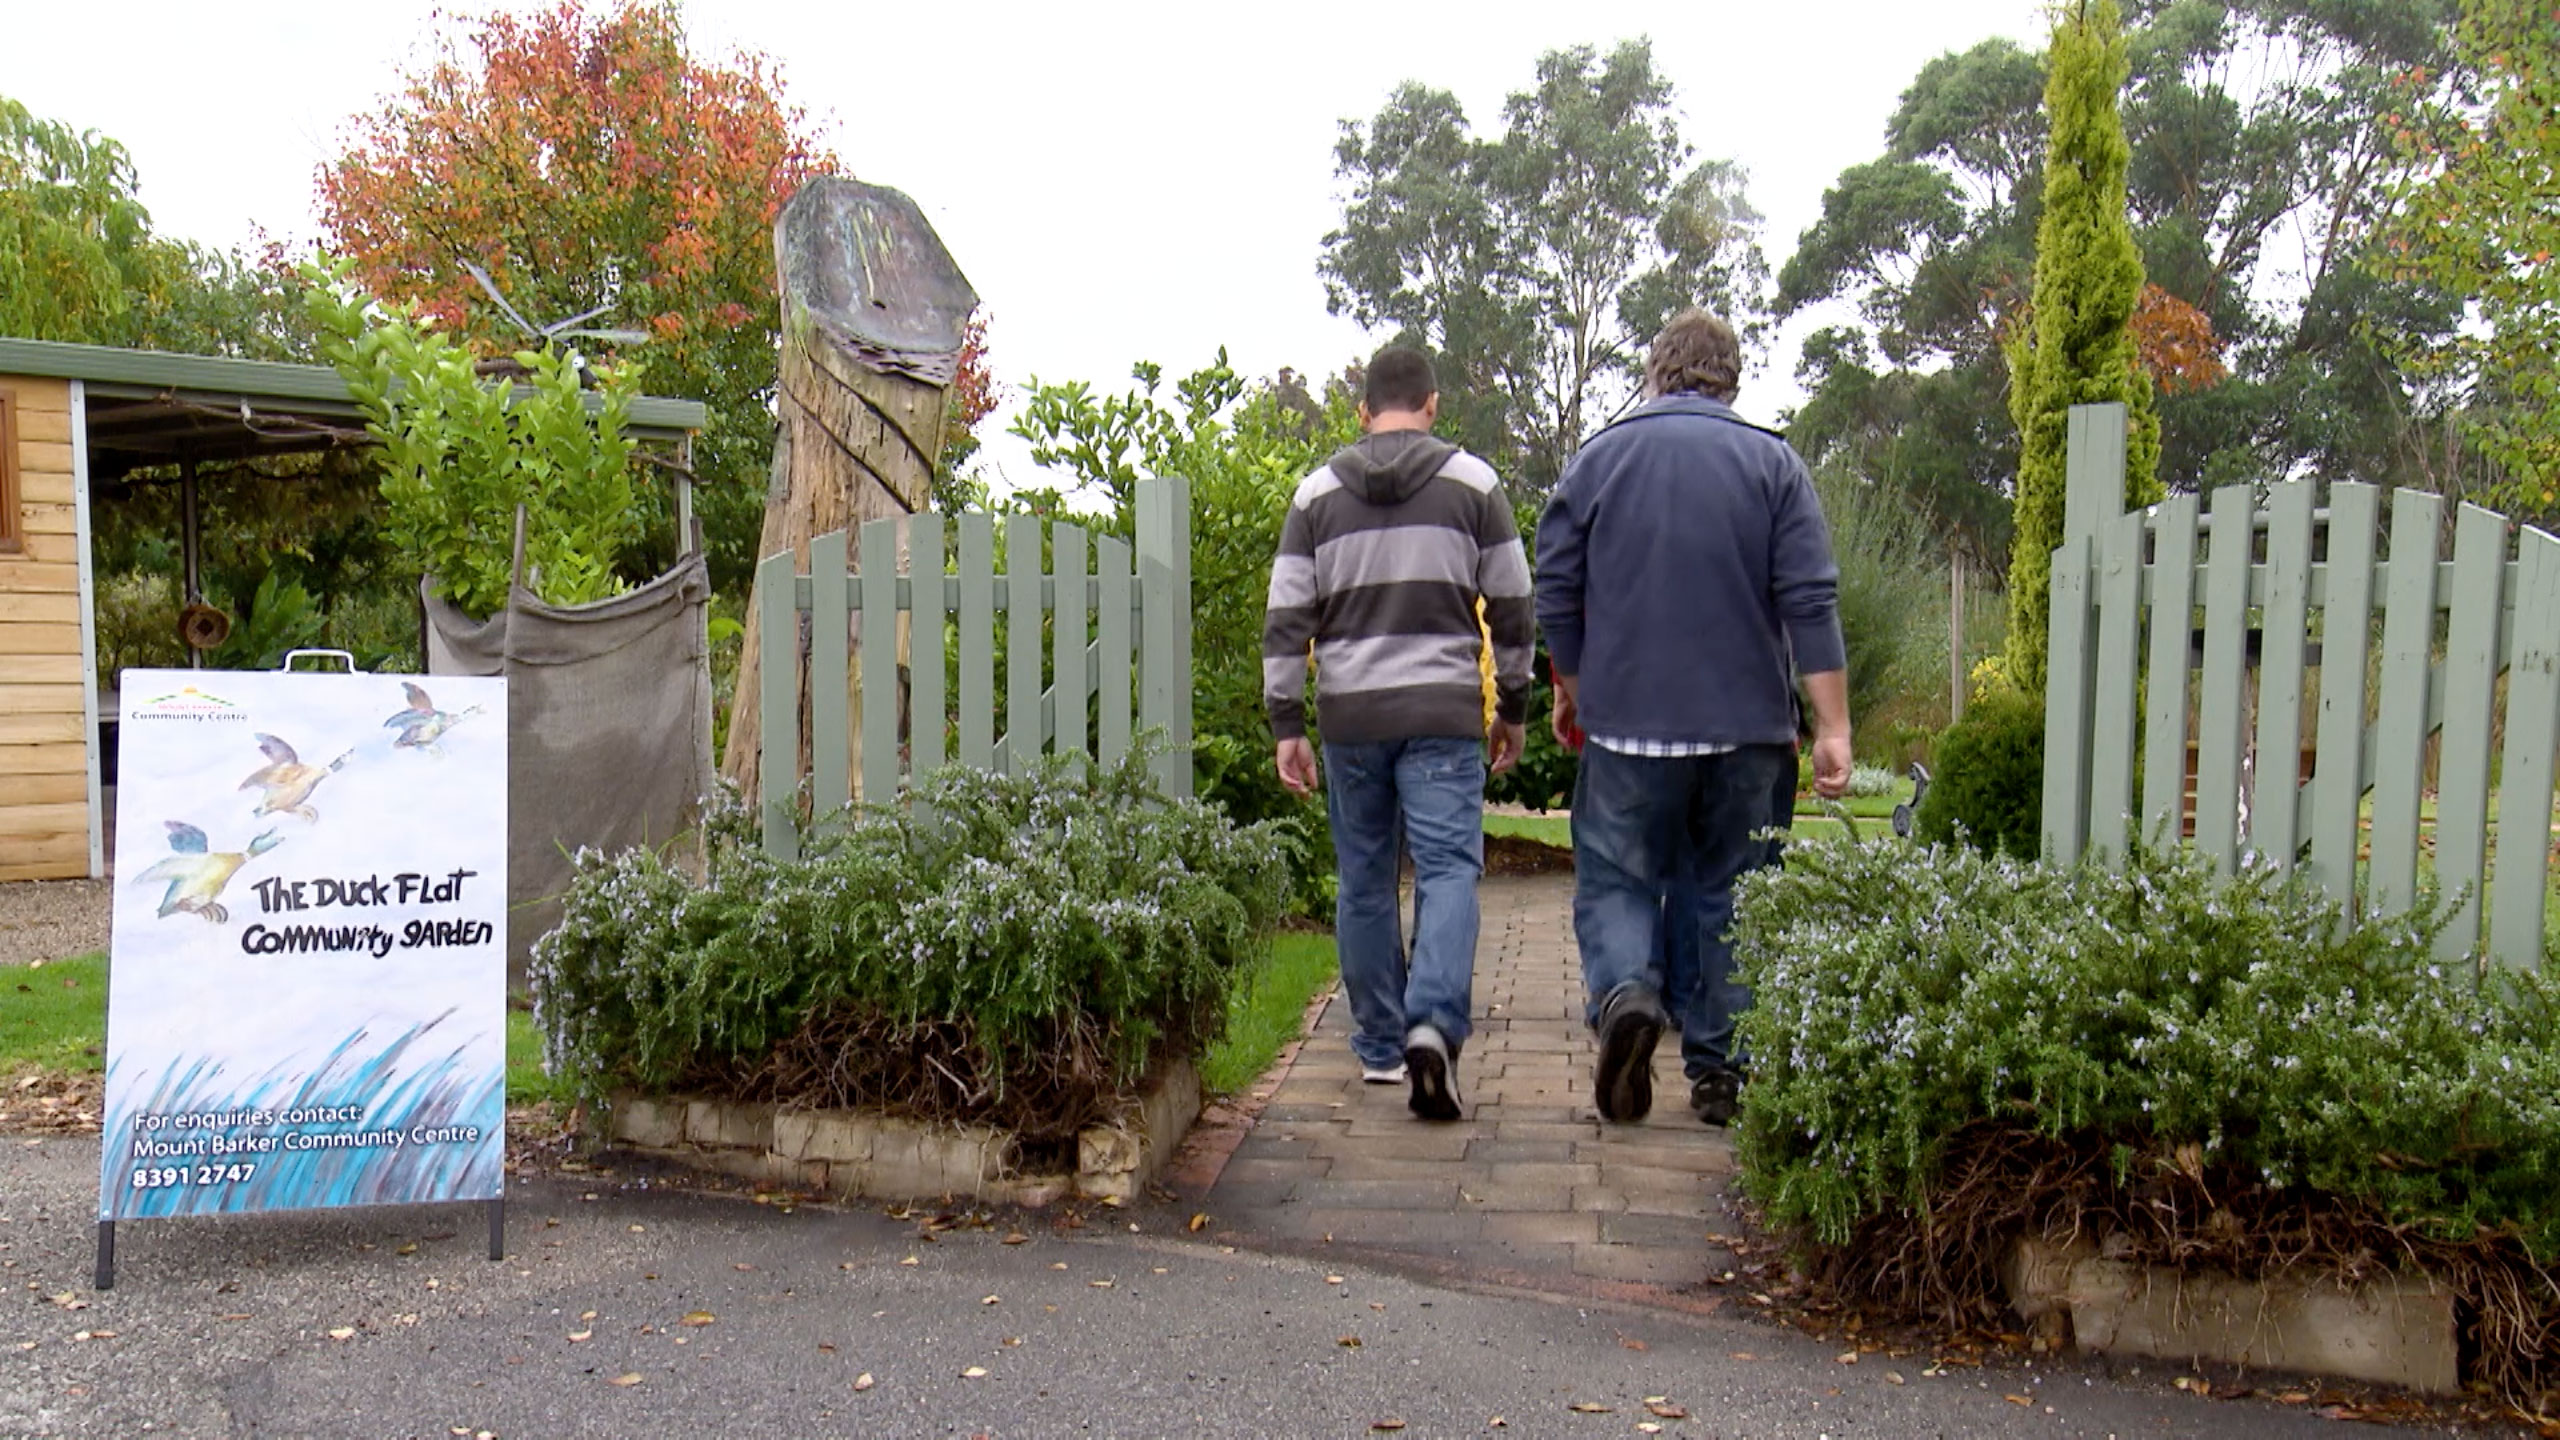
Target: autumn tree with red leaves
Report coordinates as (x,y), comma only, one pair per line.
(586,157)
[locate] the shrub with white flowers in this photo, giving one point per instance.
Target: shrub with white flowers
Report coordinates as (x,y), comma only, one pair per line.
(1016,949)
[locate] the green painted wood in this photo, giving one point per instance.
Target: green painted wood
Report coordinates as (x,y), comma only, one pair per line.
(2470,701)
(2172,581)
(2346,641)
(1023,616)
(2223,713)
(2093,469)
(928,699)
(2119,664)
(830,680)
(2068,665)
(977,642)
(880,623)
(2400,731)
(778,708)
(1113,623)
(2533,735)
(1164,622)
(2274,803)
(1072,680)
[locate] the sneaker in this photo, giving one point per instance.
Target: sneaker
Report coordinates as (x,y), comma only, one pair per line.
(1433,1062)
(1631,1021)
(1382,1074)
(1716,1096)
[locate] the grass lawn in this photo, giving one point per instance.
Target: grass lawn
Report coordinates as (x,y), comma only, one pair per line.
(1553,830)
(1265,1012)
(54,1016)
(526,1081)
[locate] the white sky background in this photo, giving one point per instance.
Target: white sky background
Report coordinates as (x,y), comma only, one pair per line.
(1119,181)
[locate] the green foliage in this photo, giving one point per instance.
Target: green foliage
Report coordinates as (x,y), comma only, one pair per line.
(460,453)
(280,617)
(2481,223)
(1539,265)
(1893,597)
(1986,777)
(53,1016)
(1268,1010)
(1042,940)
(2078,347)
(1867,782)
(2261,165)
(1244,448)
(1906,994)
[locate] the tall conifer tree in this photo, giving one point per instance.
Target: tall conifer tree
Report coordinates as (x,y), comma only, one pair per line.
(2076,347)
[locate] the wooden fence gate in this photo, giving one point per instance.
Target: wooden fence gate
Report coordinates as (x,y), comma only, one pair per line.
(1120,630)
(2399,644)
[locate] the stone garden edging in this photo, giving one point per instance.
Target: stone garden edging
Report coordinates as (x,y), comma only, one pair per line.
(2396,1331)
(862,1154)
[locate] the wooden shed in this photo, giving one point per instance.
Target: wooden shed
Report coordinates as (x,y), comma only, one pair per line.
(72,416)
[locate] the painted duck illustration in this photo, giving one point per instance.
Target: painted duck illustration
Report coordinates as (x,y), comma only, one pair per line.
(422,724)
(197,873)
(287,781)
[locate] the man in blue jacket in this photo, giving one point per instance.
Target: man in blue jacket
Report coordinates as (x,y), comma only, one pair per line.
(1685,581)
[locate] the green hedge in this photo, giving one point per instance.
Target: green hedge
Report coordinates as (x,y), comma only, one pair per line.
(1986,782)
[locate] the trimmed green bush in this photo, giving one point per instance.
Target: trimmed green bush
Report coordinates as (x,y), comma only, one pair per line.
(1986,778)
(1018,950)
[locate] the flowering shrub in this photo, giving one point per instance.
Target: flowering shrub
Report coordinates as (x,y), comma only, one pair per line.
(2165,1016)
(1018,949)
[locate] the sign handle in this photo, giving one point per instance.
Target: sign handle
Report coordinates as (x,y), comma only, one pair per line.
(105,1279)
(498,1229)
(292,655)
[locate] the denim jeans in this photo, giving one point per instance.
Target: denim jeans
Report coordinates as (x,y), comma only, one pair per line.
(1429,792)
(1707,1003)
(1651,835)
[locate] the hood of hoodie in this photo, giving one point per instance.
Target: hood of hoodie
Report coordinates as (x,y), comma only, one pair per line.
(1391,467)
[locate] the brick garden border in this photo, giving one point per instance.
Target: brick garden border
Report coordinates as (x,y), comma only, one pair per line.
(868,1155)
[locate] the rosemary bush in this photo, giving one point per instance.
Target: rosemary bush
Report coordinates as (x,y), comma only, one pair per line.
(1017,949)
(2244,1032)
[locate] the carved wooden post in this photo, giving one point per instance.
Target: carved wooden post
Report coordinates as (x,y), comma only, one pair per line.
(872,313)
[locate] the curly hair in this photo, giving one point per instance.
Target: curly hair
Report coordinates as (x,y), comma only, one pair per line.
(1695,354)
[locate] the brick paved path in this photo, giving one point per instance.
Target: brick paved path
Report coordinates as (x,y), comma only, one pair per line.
(1531,1188)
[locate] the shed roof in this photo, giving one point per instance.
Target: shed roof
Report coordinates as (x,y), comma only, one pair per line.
(151,407)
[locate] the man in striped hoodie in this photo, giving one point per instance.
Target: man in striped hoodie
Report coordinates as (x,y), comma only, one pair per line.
(1383,559)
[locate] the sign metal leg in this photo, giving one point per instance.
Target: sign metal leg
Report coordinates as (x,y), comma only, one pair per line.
(105,1279)
(498,1229)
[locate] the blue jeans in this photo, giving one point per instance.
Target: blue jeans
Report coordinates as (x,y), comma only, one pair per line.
(1707,1003)
(1652,836)
(1429,792)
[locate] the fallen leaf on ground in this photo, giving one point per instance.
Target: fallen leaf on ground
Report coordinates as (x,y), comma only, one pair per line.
(237,1315)
(1894,1377)
(1348,1342)
(863,1381)
(1647,1427)
(825,1349)
(1631,1344)
(1848,1357)
(639,1229)
(1099,1284)
(627,1381)
(992,1300)
(1666,1410)
(2018,1400)
(1497,1423)
(911,1260)
(1016,1238)
(580,1336)
(1386,1424)
(343,1332)
(1333,1279)
(697,1318)
(1012,1340)
(1200,1222)
(1744,1355)
(1591,1407)
(411,1247)
(2293,1397)
(974,1372)
(742,1265)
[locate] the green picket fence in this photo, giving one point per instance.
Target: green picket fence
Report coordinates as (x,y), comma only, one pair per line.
(1079,640)
(2303,587)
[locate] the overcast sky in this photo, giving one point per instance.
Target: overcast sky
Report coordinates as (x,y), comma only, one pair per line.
(1119,181)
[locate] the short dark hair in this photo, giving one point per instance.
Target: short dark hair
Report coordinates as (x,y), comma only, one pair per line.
(1696,354)
(1400,378)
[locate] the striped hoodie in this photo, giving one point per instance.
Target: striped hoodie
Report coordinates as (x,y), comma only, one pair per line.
(1383,558)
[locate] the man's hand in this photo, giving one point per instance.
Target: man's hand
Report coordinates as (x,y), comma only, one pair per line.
(1564,717)
(1297,761)
(1831,762)
(1509,740)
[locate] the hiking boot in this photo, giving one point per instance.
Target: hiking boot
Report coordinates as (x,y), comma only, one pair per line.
(1717,1096)
(1382,1074)
(1631,1021)
(1433,1063)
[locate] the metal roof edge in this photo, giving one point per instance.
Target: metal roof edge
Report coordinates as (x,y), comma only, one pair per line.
(651,415)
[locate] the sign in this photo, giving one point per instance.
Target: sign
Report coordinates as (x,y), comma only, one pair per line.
(307,992)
